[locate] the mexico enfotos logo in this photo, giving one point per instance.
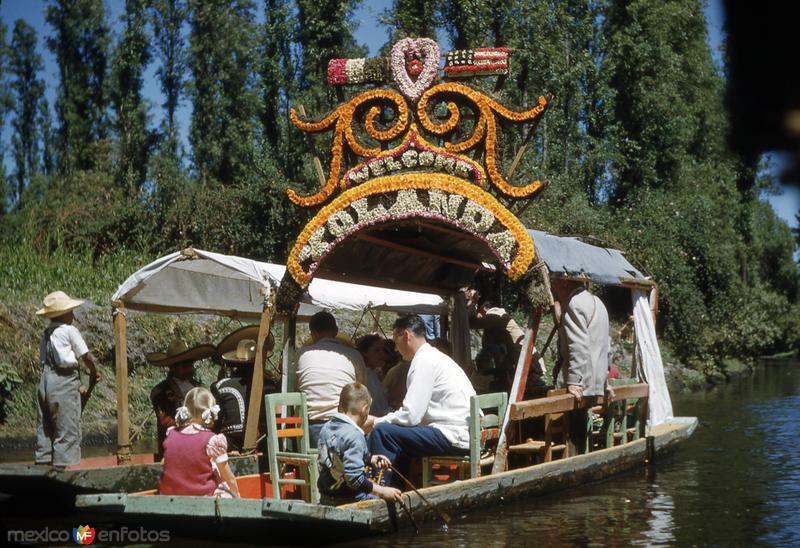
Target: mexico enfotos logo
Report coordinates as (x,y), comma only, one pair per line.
(86,534)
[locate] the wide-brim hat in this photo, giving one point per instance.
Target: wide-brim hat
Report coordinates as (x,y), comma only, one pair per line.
(227,347)
(178,351)
(57,304)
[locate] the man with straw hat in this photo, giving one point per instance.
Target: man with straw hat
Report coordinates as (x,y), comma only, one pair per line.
(238,351)
(169,394)
(58,433)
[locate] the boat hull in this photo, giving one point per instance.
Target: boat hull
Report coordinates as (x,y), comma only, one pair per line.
(249,519)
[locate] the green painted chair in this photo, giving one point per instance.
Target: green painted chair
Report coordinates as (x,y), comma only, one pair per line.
(483,429)
(292,430)
(621,420)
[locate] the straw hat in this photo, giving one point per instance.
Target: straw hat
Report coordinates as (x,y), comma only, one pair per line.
(245,352)
(57,304)
(229,345)
(178,351)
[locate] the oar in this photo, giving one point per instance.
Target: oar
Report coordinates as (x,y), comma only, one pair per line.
(407,510)
(444,517)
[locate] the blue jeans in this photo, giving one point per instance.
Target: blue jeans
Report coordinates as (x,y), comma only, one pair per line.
(399,443)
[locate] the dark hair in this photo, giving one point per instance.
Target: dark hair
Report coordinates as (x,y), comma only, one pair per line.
(323,322)
(353,397)
(366,341)
(412,322)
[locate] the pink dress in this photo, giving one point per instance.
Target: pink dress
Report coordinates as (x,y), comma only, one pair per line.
(190,458)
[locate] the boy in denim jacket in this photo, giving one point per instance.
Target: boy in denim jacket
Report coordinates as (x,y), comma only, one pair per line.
(343,453)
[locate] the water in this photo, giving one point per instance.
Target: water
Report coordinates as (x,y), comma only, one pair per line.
(736,482)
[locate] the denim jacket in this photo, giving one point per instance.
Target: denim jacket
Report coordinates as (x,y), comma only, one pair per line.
(343,454)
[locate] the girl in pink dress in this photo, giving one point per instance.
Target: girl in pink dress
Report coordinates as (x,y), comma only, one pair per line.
(196,459)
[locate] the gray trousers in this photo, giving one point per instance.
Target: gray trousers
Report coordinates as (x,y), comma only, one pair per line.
(58,434)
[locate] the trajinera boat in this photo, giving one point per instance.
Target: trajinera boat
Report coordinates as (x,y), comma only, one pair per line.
(414,199)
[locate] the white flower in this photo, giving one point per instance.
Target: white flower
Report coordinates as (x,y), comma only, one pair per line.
(476,217)
(503,243)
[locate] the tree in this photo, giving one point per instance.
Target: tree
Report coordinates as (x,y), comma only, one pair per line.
(325,32)
(80,44)
(222,60)
(278,80)
(131,57)
(25,66)
(412,18)
(168,17)
(5,105)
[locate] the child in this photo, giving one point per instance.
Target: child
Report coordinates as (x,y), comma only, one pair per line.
(343,453)
(196,459)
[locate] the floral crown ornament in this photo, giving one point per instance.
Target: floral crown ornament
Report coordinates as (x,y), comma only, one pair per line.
(430,150)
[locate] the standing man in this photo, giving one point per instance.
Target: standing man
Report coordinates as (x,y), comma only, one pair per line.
(323,369)
(582,347)
(434,418)
(169,394)
(58,433)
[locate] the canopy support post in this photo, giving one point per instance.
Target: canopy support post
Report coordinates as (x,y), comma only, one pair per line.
(289,381)
(517,389)
(121,369)
(257,381)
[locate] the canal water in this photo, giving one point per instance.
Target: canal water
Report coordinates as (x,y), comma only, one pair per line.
(736,482)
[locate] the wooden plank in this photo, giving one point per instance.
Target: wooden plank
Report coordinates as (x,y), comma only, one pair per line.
(257,379)
(542,406)
(290,432)
(419,252)
(517,390)
(121,369)
(630,391)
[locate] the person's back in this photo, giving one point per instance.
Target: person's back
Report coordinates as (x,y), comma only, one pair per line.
(343,453)
(231,394)
(323,369)
(583,342)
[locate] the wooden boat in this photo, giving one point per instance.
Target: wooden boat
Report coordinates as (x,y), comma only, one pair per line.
(257,516)
(417,216)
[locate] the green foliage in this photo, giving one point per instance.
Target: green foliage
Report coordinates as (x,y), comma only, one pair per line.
(222,61)
(168,16)
(79,43)
(25,66)
(131,57)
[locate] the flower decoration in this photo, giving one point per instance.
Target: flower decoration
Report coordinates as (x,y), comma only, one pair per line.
(477,62)
(357,71)
(414,64)
(428,195)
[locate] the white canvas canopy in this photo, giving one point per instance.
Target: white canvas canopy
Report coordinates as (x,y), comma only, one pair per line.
(195,281)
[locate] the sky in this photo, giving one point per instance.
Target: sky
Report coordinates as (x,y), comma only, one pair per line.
(786,201)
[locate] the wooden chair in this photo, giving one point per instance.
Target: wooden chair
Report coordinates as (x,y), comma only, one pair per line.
(483,429)
(291,429)
(556,436)
(625,412)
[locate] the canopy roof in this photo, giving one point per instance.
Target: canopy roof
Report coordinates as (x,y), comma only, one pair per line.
(197,281)
(572,257)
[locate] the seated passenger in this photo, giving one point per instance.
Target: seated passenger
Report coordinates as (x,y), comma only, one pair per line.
(323,369)
(434,418)
(343,455)
(373,350)
(169,394)
(196,459)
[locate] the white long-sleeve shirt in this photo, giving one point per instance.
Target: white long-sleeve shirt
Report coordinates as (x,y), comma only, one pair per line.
(438,395)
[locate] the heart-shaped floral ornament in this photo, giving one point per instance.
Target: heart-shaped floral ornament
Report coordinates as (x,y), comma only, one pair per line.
(415,64)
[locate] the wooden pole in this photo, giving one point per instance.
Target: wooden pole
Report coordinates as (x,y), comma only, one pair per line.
(289,365)
(317,163)
(517,389)
(121,367)
(257,381)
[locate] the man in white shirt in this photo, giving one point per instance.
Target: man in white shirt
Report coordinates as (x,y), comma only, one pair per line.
(434,418)
(58,432)
(323,369)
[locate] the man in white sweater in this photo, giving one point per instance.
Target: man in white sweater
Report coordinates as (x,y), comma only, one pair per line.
(434,418)
(323,369)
